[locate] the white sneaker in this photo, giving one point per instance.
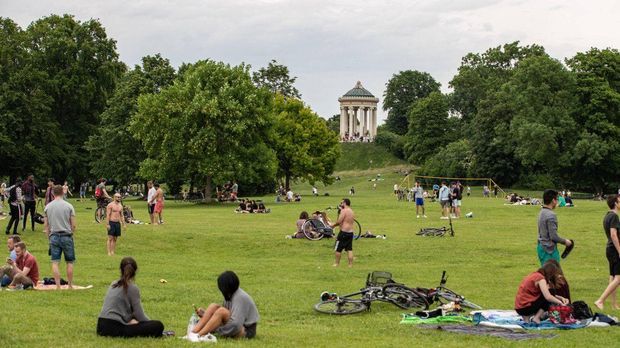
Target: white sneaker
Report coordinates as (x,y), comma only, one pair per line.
(288,237)
(425,216)
(207,338)
(444,218)
(418,216)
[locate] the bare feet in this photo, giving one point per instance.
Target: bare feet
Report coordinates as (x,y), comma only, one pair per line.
(335,265)
(599,304)
(350,265)
(536,320)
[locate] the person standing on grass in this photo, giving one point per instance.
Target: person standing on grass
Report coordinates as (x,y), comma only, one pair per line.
(114,212)
(49,195)
(344,241)
(548,237)
(59,226)
(122,314)
(66,191)
(418,195)
(444,200)
(15,199)
(611,225)
(29,193)
(150,200)
(158,199)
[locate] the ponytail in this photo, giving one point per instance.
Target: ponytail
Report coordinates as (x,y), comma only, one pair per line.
(128,272)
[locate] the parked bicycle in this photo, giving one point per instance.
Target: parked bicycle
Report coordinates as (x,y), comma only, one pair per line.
(436,232)
(379,287)
(317,228)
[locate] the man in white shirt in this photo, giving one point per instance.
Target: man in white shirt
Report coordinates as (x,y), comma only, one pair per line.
(289,195)
(150,200)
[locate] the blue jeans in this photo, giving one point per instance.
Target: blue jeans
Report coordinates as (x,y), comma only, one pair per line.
(62,244)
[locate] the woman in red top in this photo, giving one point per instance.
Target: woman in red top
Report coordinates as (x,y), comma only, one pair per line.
(533,297)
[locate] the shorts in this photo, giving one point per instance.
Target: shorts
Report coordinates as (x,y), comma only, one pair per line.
(62,244)
(151,208)
(445,204)
(159,207)
(419,201)
(614,261)
(344,241)
(102,202)
(540,303)
(115,229)
(544,256)
(456,202)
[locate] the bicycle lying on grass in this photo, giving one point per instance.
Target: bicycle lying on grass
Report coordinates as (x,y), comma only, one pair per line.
(436,232)
(316,229)
(392,292)
(379,287)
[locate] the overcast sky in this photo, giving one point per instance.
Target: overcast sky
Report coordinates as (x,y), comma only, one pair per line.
(329,45)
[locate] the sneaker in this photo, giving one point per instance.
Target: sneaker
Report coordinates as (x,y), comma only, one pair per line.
(425,216)
(207,338)
(288,237)
(418,216)
(444,218)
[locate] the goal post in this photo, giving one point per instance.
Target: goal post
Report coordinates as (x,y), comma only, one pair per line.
(426,179)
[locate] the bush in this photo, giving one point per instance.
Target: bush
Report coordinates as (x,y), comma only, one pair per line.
(391,141)
(453,160)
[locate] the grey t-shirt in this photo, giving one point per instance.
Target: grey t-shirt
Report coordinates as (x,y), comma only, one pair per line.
(121,306)
(243,312)
(548,230)
(418,192)
(58,214)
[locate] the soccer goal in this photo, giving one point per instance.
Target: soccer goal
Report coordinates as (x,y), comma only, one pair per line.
(429,181)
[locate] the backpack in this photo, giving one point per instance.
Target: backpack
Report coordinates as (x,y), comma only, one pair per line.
(581,310)
(98,192)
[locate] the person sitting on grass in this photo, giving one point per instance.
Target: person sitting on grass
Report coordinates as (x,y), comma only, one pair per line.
(5,270)
(236,318)
(300,223)
(24,271)
(534,295)
(122,314)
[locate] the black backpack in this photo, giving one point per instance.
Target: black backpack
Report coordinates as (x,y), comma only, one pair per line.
(581,310)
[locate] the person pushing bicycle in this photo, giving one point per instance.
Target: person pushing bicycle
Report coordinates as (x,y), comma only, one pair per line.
(344,241)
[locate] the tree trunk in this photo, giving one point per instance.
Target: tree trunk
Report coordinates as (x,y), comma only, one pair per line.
(146,190)
(208,189)
(287,182)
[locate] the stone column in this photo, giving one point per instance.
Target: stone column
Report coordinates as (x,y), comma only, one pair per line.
(350,120)
(373,122)
(363,124)
(343,122)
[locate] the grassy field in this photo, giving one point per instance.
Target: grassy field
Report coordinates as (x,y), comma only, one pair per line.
(485,261)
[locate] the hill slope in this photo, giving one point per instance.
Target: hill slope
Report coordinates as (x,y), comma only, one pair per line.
(363,156)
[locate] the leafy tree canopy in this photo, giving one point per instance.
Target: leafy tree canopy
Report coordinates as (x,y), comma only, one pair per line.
(276,78)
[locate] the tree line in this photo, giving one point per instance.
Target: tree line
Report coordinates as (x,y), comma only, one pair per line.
(514,114)
(71,110)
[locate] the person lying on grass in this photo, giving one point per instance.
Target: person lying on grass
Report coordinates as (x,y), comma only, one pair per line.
(122,314)
(236,318)
(534,295)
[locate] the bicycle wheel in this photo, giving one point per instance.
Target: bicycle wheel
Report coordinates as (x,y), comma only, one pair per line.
(310,230)
(357,229)
(452,296)
(100,214)
(405,297)
(340,306)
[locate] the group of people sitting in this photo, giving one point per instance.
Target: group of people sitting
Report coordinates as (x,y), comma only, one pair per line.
(21,270)
(516,199)
(122,314)
(321,216)
(289,196)
(228,193)
(247,206)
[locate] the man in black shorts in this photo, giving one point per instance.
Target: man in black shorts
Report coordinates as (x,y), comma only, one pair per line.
(611,224)
(344,241)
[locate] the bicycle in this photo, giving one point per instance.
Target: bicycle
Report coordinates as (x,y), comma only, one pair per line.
(375,290)
(436,232)
(316,229)
(441,294)
(100,212)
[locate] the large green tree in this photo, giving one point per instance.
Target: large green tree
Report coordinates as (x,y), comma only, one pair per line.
(276,78)
(210,126)
(306,149)
(114,152)
(428,128)
(29,138)
(82,68)
(402,91)
(596,159)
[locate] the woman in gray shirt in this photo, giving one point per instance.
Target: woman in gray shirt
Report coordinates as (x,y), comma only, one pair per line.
(122,314)
(236,318)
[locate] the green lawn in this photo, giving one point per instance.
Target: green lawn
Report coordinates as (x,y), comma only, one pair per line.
(485,261)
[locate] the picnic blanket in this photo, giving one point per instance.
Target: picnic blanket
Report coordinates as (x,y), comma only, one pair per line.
(414,319)
(487,331)
(43,287)
(509,319)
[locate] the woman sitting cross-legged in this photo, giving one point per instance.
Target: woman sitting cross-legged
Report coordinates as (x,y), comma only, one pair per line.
(534,295)
(238,316)
(122,314)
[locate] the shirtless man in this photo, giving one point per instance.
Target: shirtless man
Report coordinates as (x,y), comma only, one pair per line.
(345,236)
(114,212)
(158,200)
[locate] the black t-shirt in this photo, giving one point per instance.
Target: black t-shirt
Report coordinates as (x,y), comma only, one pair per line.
(611,221)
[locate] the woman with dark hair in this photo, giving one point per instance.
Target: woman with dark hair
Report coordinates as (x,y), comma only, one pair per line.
(300,223)
(534,296)
(238,316)
(122,314)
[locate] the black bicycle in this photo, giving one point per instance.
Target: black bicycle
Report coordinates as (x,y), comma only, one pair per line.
(379,287)
(316,228)
(100,212)
(436,232)
(442,295)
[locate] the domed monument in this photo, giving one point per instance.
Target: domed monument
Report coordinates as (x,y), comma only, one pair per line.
(358,115)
